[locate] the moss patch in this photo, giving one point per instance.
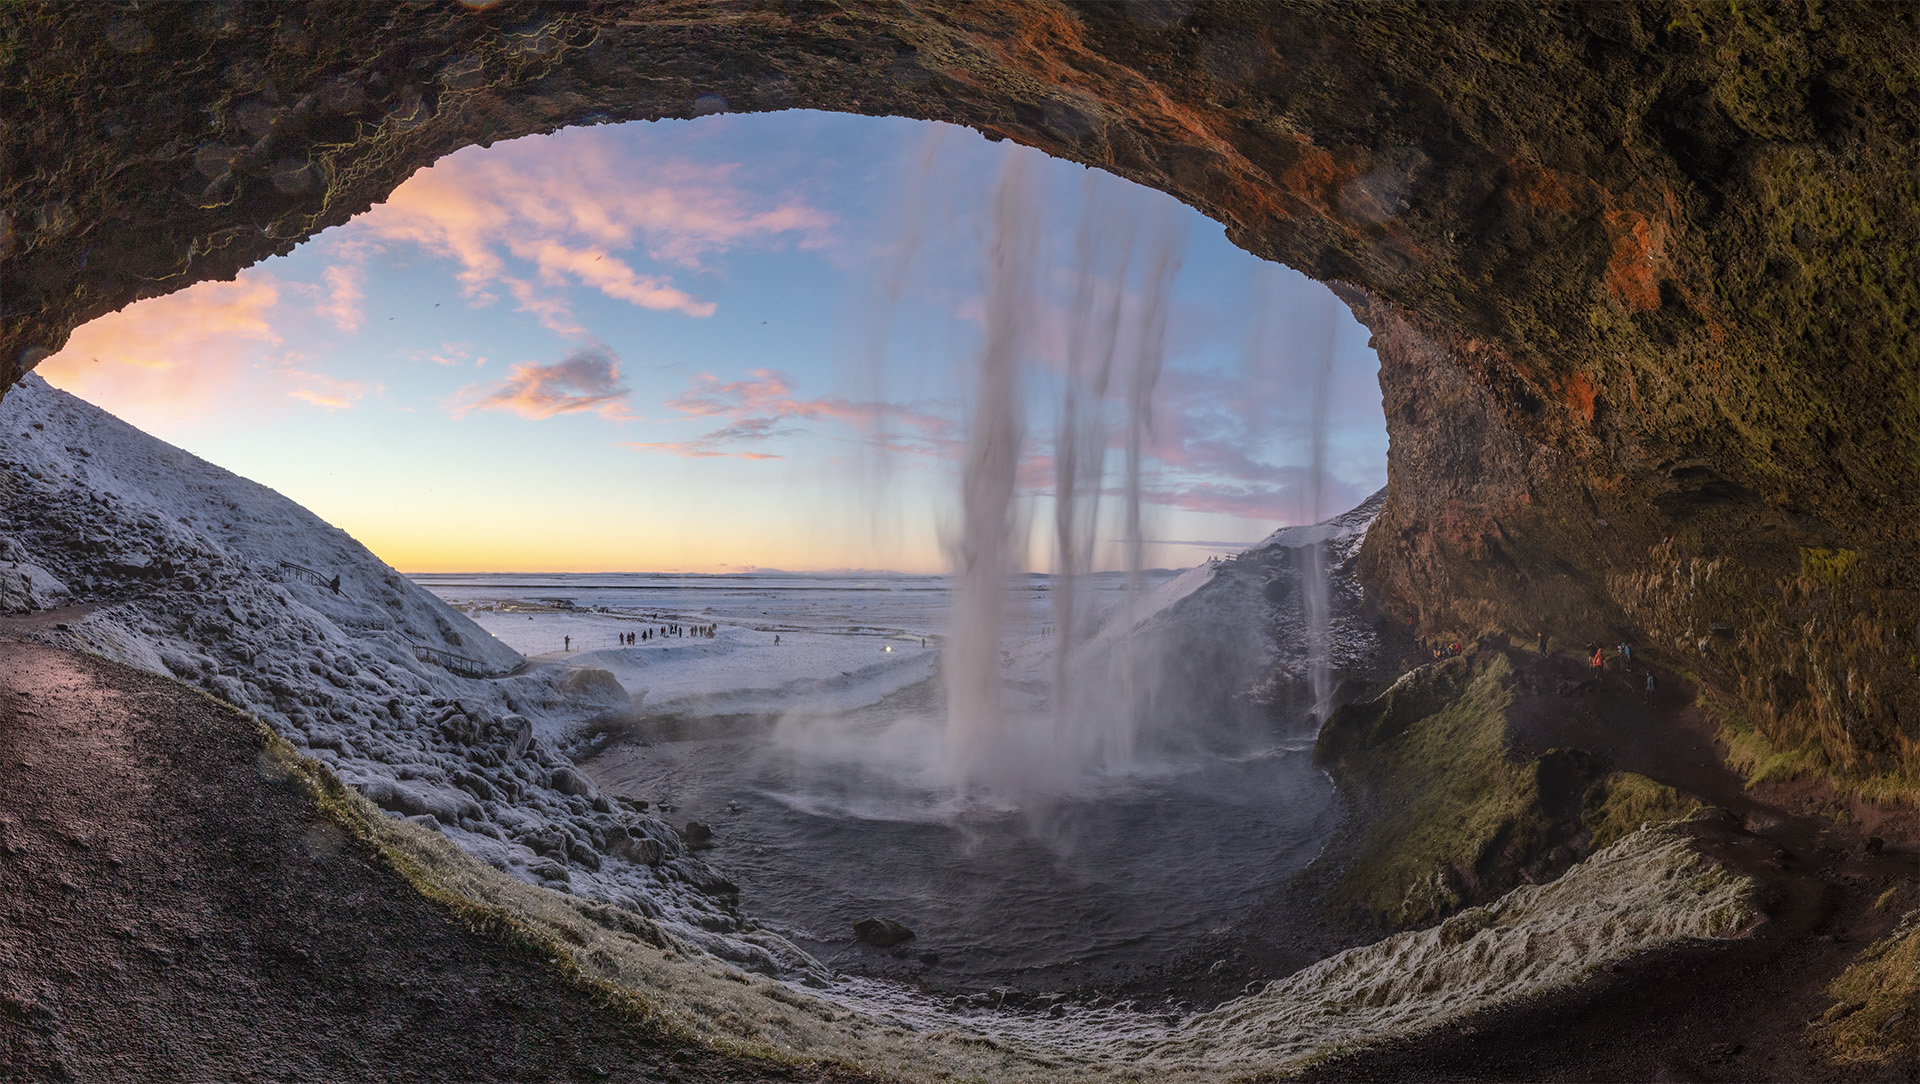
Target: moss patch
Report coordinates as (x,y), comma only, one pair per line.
(1877,1018)
(1452,819)
(1624,802)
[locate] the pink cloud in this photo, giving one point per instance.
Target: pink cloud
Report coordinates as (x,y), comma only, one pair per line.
(326,392)
(586,380)
(343,298)
(569,217)
(171,356)
(764,406)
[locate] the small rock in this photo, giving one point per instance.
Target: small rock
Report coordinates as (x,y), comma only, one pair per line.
(1872,845)
(1253,987)
(697,835)
(882,932)
(1724,1050)
(931,959)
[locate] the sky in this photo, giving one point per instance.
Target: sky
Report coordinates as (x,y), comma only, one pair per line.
(750,341)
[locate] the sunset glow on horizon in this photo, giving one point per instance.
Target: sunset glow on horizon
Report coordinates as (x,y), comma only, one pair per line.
(703,346)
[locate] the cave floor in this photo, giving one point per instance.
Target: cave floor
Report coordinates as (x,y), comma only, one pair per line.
(168,910)
(1723,1011)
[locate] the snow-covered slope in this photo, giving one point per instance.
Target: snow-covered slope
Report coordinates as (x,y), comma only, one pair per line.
(1229,640)
(191,571)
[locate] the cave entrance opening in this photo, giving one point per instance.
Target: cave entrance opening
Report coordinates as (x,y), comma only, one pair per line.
(640,368)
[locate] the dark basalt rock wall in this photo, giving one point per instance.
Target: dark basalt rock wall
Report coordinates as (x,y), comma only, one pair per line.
(1643,277)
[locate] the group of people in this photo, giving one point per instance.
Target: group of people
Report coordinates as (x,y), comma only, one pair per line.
(1599,657)
(670,629)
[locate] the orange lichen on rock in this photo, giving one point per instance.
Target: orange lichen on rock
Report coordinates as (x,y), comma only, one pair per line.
(1580,391)
(1639,247)
(1537,186)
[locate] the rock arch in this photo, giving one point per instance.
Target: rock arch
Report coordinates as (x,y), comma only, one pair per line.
(1642,277)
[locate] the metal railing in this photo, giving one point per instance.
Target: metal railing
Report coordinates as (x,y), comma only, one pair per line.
(320,578)
(450,662)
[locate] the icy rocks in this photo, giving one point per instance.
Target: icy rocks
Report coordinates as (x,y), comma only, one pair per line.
(641,850)
(521,734)
(881,932)
(446,806)
(588,685)
(186,567)
(568,780)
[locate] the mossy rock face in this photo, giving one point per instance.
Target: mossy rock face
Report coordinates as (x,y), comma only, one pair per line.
(1449,817)
(1642,276)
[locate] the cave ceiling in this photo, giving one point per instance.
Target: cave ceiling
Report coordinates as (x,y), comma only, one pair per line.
(1642,276)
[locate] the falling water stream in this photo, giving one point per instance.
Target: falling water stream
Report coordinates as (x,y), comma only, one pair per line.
(1055,804)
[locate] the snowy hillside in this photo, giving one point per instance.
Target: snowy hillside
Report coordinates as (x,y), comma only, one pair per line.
(182,568)
(1230,640)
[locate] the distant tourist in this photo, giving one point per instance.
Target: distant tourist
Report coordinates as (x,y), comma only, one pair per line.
(1649,685)
(1540,638)
(568,641)
(1599,658)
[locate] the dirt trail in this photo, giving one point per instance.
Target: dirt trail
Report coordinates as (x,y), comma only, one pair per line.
(168,913)
(1732,1011)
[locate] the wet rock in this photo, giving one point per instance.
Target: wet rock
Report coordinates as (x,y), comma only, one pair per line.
(697,835)
(881,932)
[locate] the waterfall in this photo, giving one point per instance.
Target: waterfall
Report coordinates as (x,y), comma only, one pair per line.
(1112,322)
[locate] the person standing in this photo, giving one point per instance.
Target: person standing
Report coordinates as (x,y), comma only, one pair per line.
(568,641)
(1540,640)
(1649,685)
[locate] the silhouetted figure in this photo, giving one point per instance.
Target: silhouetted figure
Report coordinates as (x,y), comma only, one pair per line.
(1649,686)
(1540,638)
(335,584)
(776,639)
(568,641)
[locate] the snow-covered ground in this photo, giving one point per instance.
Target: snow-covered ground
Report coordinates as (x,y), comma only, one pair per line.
(191,571)
(181,568)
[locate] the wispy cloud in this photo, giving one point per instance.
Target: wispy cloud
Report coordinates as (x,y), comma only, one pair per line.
(524,218)
(764,406)
(342,304)
(585,380)
(173,355)
(327,392)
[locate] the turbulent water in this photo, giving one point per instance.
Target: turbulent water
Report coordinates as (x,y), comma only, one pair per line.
(828,816)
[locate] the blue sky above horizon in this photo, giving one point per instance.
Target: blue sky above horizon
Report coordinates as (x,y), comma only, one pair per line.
(741,341)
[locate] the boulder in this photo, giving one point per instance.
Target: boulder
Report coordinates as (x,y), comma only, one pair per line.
(521,732)
(881,932)
(697,834)
(594,686)
(569,781)
(635,848)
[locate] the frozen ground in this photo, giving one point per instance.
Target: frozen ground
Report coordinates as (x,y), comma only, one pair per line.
(178,567)
(188,570)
